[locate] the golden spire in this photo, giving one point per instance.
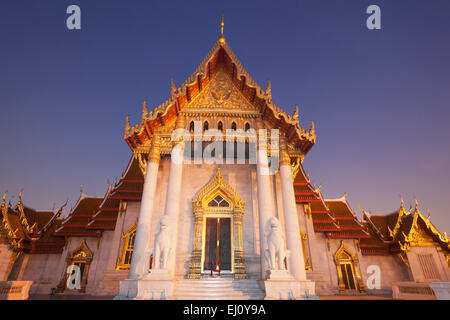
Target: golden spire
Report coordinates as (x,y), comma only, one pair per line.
(401,203)
(416,205)
(144,110)
(221,38)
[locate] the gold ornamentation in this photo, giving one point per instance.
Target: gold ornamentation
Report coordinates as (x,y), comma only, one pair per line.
(127,127)
(218,183)
(126,253)
(144,111)
(173,87)
(284,156)
(295,115)
(307,209)
(295,167)
(304,238)
(142,162)
(269,90)
(235,210)
(155,150)
(221,38)
(312,132)
(403,258)
(346,260)
(220,95)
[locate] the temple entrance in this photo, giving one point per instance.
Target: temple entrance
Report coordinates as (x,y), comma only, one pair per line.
(218,211)
(217,252)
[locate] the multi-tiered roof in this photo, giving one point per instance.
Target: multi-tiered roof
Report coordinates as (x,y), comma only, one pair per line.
(220,57)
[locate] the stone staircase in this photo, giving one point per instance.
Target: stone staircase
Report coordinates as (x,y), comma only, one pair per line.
(221,288)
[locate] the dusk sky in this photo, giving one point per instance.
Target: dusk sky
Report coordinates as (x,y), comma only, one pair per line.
(380,99)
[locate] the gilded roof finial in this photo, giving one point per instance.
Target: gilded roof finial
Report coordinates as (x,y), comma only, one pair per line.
(221,38)
(429,215)
(20,196)
(173,88)
(269,90)
(219,174)
(416,205)
(144,110)
(401,203)
(295,115)
(127,126)
(312,131)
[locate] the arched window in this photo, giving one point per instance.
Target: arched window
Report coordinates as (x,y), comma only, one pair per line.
(247,126)
(191,127)
(233,126)
(128,238)
(220,126)
(205,126)
(218,201)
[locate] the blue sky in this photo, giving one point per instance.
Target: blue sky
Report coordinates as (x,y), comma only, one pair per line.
(379,98)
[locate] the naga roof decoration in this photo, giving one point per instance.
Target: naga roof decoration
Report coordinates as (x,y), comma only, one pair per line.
(221,55)
(28,230)
(397,232)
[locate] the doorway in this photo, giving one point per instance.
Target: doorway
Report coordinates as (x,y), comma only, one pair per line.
(217,249)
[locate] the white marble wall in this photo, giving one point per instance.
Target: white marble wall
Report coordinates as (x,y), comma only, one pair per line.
(5,258)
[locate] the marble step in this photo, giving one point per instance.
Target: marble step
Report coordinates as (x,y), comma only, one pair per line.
(218,288)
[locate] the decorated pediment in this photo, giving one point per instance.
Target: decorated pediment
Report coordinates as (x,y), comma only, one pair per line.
(218,194)
(82,252)
(220,95)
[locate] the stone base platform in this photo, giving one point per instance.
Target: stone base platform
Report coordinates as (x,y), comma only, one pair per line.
(280,285)
(156,285)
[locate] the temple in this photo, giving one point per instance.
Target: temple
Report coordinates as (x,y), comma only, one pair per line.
(215,204)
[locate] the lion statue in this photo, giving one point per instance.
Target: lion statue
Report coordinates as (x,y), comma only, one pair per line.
(163,244)
(277,252)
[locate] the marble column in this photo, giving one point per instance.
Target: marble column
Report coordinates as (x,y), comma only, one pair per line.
(294,245)
(266,203)
(173,196)
(139,261)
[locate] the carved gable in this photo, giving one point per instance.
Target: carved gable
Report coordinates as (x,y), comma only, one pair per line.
(221,95)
